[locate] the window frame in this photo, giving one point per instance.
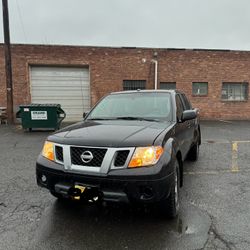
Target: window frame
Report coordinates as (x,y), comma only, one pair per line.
(179,112)
(199,95)
(244,94)
(185,102)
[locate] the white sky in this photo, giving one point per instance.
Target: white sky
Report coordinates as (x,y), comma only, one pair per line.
(212,24)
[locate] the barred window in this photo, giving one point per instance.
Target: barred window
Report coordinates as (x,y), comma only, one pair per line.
(134,84)
(234,91)
(200,88)
(168,85)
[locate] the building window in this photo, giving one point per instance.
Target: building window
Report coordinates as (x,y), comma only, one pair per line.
(134,84)
(234,91)
(167,85)
(200,88)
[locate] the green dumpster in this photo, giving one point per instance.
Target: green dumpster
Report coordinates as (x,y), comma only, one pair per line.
(41,116)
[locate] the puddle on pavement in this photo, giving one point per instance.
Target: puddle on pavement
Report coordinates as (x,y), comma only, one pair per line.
(188,231)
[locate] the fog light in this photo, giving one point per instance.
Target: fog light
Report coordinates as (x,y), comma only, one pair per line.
(44,178)
(147,193)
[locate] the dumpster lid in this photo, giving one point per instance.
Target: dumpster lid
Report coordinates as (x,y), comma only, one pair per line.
(40,105)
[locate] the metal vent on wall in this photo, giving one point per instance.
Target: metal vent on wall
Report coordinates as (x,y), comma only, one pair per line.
(134,84)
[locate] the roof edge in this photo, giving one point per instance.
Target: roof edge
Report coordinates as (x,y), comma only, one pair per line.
(127,47)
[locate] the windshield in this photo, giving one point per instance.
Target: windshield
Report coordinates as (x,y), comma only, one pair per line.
(155,106)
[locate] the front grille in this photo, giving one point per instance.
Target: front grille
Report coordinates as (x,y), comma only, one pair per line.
(59,153)
(98,155)
(121,158)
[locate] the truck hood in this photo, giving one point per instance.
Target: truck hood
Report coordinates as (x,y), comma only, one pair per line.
(118,133)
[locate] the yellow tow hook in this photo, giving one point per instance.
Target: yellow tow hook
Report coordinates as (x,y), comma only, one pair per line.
(81,188)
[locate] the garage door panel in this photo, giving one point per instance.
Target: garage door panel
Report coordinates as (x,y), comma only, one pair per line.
(60,81)
(75,112)
(66,86)
(70,94)
(62,98)
(74,108)
(59,71)
(73,101)
(60,88)
(63,82)
(66,104)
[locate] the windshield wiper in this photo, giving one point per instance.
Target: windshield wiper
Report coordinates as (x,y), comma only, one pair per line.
(136,118)
(131,118)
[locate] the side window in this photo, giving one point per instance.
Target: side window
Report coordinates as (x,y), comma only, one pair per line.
(179,107)
(186,103)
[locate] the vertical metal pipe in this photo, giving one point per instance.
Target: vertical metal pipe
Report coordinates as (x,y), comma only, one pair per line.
(8,66)
(156,72)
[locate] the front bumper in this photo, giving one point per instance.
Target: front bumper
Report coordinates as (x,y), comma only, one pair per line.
(120,188)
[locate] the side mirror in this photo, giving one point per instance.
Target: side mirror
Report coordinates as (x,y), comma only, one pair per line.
(85,114)
(188,115)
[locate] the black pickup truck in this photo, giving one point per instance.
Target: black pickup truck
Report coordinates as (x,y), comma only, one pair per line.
(129,148)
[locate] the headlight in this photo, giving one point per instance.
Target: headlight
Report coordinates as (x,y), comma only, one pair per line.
(145,156)
(48,150)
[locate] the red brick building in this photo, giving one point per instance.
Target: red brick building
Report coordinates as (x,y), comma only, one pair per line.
(77,77)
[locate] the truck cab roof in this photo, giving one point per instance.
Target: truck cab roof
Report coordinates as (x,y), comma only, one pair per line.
(148,91)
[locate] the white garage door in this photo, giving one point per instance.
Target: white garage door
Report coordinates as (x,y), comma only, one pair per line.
(67,86)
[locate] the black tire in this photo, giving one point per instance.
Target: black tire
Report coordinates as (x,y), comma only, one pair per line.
(193,153)
(171,205)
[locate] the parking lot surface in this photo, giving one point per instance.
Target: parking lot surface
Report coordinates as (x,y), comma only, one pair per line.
(215,201)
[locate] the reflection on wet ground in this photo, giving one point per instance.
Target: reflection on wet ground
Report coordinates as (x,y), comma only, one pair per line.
(117,226)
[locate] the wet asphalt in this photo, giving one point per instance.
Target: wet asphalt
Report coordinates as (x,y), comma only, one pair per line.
(215,201)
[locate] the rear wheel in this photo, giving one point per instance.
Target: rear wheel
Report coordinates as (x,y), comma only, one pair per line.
(170,206)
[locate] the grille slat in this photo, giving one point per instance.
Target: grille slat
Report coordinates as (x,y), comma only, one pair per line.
(59,153)
(98,156)
(121,158)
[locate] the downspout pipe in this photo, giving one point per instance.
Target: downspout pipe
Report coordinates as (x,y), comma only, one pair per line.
(156,72)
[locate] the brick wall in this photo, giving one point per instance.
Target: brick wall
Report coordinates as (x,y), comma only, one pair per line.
(110,66)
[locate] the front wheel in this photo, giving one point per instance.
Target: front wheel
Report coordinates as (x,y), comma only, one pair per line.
(171,205)
(193,153)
